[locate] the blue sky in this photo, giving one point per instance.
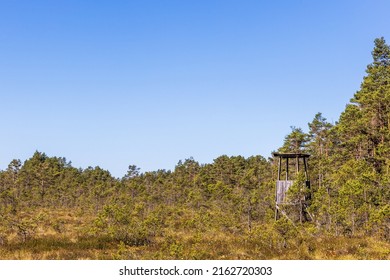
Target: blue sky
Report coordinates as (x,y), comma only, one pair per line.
(113,83)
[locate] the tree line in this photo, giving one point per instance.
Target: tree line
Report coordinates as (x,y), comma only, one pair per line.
(349,171)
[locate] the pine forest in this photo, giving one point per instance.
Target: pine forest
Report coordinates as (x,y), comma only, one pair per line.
(220,210)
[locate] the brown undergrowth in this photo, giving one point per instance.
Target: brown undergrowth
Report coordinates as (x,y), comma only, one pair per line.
(61,235)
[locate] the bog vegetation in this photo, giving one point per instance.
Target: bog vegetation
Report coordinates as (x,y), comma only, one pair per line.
(223,210)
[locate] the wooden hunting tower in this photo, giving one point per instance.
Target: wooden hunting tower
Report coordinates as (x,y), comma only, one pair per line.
(284,204)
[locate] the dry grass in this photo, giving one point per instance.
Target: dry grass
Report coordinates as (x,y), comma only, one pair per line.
(63,235)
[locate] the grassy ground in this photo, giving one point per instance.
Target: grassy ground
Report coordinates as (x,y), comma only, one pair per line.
(194,247)
(62,235)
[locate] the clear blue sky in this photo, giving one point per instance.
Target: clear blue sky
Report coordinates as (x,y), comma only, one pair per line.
(113,83)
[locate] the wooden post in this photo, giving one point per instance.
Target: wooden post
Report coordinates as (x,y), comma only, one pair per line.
(306,172)
(286,169)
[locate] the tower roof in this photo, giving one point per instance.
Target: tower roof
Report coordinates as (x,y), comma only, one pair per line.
(291,155)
